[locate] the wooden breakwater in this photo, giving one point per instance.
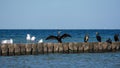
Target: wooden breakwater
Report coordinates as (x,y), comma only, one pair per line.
(46,48)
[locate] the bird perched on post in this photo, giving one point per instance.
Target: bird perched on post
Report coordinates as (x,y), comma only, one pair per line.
(4,41)
(98,37)
(33,38)
(58,37)
(86,38)
(109,41)
(40,41)
(11,41)
(28,38)
(7,41)
(116,37)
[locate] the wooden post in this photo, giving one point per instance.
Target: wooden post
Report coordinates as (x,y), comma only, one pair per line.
(104,45)
(56,47)
(86,47)
(65,47)
(71,48)
(22,49)
(100,48)
(118,46)
(45,46)
(109,47)
(40,48)
(75,47)
(28,48)
(4,49)
(0,50)
(34,49)
(16,49)
(115,46)
(11,49)
(96,49)
(91,47)
(60,48)
(81,48)
(50,48)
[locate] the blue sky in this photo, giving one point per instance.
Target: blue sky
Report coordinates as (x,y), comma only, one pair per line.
(59,14)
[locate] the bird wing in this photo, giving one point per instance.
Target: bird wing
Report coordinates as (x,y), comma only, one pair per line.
(65,35)
(51,37)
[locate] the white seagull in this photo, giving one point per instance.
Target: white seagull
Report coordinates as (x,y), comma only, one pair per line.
(11,41)
(33,38)
(7,41)
(4,42)
(28,38)
(40,41)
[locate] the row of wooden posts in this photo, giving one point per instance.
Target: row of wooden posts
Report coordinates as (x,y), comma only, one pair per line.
(46,48)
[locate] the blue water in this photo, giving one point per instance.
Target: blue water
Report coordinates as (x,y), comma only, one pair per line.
(19,36)
(81,60)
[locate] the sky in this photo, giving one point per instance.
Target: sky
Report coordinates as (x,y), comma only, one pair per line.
(59,14)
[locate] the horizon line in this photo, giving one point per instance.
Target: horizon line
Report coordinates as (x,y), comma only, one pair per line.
(61,29)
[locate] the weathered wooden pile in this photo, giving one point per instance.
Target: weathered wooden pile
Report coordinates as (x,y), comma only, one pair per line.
(46,48)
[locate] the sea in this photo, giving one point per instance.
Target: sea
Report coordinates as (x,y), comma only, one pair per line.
(58,60)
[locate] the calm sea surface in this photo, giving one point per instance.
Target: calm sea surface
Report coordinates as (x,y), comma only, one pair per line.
(80,60)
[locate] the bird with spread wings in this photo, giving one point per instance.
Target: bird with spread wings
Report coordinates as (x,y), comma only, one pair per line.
(58,37)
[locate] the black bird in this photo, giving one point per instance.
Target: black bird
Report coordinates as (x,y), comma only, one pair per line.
(109,41)
(98,37)
(116,37)
(86,38)
(58,37)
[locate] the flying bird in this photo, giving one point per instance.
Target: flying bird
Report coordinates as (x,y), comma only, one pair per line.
(98,37)
(86,38)
(116,37)
(58,37)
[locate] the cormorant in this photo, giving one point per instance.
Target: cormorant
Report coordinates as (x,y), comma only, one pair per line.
(58,37)
(116,37)
(109,41)
(98,37)
(86,38)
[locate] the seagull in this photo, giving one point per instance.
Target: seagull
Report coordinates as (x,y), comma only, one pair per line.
(98,37)
(28,38)
(11,41)
(33,38)
(40,41)
(58,37)
(4,42)
(7,41)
